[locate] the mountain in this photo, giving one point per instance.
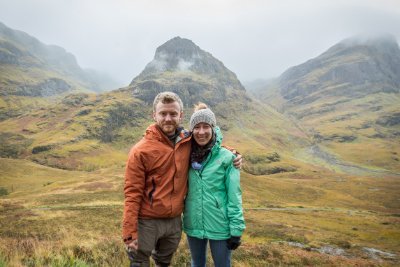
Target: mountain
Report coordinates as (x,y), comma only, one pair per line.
(29,68)
(348,99)
(181,66)
(355,67)
(80,127)
(309,191)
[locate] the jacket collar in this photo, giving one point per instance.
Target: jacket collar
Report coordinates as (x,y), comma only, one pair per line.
(155,133)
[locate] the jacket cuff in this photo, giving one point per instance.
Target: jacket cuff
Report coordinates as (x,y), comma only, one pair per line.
(236,232)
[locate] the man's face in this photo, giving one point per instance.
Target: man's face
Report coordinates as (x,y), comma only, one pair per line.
(168,116)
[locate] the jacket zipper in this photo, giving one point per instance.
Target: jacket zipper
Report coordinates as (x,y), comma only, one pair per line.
(152,191)
(202,169)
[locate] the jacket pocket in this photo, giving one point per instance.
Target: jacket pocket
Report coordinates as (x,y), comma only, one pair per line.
(215,217)
(221,208)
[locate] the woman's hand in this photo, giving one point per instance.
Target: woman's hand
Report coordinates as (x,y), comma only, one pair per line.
(233,242)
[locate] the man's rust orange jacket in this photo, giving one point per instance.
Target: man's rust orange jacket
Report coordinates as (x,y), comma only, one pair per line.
(155,179)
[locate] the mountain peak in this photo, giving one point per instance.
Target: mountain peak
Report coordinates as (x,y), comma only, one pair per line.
(179,47)
(182,55)
(371,39)
(177,54)
(382,42)
(356,66)
(179,65)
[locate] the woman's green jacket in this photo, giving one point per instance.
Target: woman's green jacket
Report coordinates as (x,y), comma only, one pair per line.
(213,206)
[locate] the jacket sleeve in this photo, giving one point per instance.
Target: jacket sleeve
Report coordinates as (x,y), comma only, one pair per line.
(234,205)
(133,190)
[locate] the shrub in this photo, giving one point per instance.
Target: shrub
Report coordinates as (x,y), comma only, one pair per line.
(3,191)
(83,112)
(38,149)
(120,115)
(265,158)
(75,99)
(12,145)
(263,169)
(259,164)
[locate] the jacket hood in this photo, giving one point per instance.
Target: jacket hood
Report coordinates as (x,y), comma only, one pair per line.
(154,132)
(218,139)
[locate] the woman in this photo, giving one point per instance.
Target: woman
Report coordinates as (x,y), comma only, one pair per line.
(213,207)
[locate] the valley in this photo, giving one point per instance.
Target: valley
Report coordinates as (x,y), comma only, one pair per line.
(320,177)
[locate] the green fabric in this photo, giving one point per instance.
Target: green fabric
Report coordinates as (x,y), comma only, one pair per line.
(213,206)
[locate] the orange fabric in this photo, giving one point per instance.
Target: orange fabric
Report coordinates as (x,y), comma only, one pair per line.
(155,179)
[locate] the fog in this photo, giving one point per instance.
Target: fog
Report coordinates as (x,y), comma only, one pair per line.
(253,38)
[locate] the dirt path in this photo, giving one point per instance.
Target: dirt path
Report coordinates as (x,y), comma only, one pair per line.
(315,154)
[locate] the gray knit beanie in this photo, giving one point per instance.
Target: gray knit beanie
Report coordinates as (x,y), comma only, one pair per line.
(202,114)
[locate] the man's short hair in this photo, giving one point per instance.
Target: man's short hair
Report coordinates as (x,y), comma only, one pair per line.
(166,98)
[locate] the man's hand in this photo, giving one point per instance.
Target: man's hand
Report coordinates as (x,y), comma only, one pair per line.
(133,244)
(238,161)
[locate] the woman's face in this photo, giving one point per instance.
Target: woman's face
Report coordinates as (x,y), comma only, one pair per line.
(202,133)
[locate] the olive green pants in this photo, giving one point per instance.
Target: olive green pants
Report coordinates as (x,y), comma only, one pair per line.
(158,238)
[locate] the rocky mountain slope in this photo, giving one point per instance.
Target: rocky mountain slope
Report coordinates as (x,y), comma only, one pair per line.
(29,68)
(355,67)
(181,66)
(348,99)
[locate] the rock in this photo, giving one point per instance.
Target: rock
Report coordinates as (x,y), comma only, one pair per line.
(389,120)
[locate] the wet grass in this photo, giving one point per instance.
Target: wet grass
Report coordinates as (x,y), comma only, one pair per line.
(77,221)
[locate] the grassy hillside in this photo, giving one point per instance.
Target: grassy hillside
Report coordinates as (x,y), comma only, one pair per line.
(313,217)
(80,132)
(346,99)
(69,211)
(31,69)
(362,131)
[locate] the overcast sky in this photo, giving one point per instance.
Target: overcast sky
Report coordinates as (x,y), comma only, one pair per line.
(253,38)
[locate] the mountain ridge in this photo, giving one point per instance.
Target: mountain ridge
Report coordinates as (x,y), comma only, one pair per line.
(32,72)
(39,62)
(368,65)
(347,98)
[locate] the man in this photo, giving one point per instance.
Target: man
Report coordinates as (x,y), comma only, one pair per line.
(156,185)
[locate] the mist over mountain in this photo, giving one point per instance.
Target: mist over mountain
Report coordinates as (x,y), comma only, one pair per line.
(355,67)
(348,99)
(31,68)
(181,66)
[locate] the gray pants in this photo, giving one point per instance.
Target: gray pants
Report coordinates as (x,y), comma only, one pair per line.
(158,238)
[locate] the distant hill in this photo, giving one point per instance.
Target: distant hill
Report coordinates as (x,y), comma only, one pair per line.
(348,98)
(258,85)
(29,68)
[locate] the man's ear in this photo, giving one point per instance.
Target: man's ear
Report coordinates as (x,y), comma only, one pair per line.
(154,116)
(181,116)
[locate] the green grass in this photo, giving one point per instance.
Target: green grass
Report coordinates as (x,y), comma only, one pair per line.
(73,218)
(71,215)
